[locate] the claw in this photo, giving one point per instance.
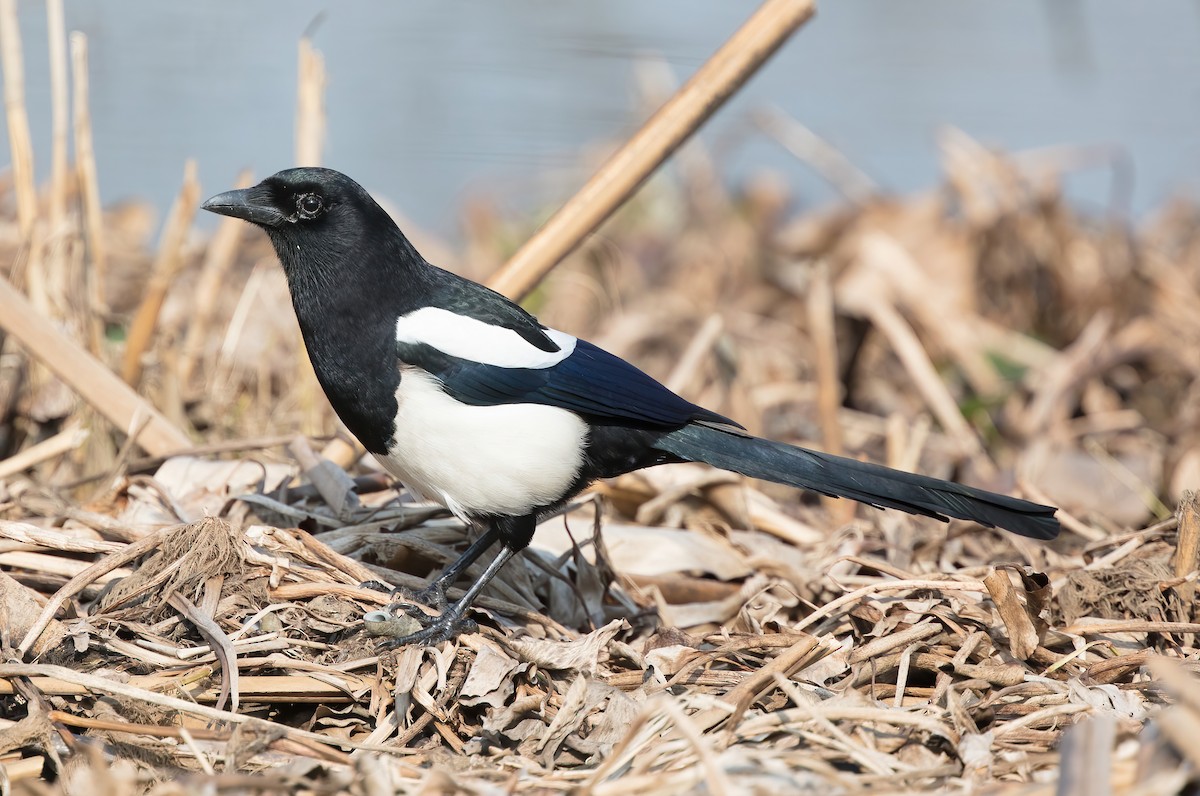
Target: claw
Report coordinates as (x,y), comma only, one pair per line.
(435,630)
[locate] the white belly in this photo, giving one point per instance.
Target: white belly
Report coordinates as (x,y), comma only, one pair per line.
(506,459)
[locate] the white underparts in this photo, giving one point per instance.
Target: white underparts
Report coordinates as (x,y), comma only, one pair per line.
(506,459)
(477,341)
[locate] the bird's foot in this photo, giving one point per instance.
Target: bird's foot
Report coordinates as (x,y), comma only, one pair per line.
(406,617)
(433,595)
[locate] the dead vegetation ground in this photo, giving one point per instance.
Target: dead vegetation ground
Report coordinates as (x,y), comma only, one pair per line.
(176,620)
(167,623)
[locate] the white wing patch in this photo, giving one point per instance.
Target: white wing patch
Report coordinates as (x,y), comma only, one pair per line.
(477,341)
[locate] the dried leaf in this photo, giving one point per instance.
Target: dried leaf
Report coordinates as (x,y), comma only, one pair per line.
(580,655)
(490,678)
(1022,634)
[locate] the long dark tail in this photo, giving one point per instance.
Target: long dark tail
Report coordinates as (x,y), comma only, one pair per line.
(867,483)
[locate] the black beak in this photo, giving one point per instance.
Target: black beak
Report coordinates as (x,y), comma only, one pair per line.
(248,204)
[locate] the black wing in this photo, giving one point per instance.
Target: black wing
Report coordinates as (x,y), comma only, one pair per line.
(590,381)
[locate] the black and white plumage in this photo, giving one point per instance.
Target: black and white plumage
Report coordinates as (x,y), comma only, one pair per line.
(471,402)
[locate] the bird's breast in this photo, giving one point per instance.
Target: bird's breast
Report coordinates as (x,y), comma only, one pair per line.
(508,459)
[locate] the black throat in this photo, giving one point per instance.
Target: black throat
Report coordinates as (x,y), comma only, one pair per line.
(348,290)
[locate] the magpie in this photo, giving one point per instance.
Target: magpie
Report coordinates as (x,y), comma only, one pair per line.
(471,402)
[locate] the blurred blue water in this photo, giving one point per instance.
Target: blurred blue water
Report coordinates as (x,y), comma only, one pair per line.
(430,100)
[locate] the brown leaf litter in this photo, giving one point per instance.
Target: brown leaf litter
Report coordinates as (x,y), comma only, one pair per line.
(190,621)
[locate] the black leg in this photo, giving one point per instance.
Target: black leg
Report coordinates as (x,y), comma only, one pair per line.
(451,621)
(434,595)
(514,534)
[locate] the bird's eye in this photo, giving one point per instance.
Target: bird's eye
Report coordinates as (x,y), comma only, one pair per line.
(309,205)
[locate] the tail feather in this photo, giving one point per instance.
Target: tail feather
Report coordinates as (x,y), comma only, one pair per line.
(867,483)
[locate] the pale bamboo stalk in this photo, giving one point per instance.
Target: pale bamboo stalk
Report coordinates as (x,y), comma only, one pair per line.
(19,140)
(707,90)
(86,375)
(163,272)
(60,114)
(89,184)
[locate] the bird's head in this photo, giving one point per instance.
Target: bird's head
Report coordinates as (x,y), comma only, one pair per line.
(296,201)
(324,225)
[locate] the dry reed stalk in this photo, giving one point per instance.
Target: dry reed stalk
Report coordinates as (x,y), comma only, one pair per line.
(34,536)
(1187,549)
(310,104)
(222,251)
(825,159)
(907,345)
(821,329)
(717,80)
(310,142)
(804,652)
(25,768)
(89,189)
(656,82)
(1105,627)
(343,450)
(85,374)
(48,563)
(685,372)
(166,266)
(91,683)
(60,114)
(85,578)
(63,442)
(19,140)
